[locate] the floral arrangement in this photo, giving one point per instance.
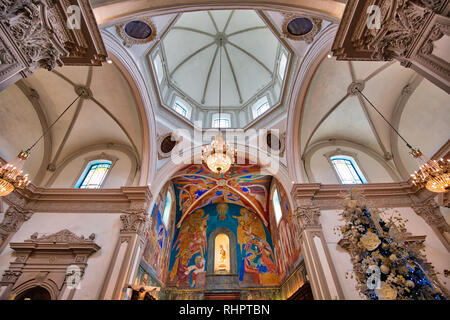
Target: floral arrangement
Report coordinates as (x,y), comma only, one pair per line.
(386,266)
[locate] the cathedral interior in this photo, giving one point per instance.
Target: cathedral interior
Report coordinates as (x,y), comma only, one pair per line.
(244,150)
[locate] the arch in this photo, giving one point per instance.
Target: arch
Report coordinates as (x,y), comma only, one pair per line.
(108,14)
(127,65)
(37,293)
(47,285)
(211,250)
(346,143)
(313,58)
(97,147)
(193,156)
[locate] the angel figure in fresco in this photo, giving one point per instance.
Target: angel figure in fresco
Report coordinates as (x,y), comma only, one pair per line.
(267,259)
(196,269)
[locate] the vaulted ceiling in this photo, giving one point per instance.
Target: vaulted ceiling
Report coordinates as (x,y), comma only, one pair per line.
(244,185)
(106,115)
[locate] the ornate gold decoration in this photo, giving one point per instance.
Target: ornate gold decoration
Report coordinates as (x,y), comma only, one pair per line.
(130,41)
(386,292)
(11,175)
(370,241)
(309,37)
(432,174)
(218,156)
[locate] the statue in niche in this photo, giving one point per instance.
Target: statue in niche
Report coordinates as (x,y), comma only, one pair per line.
(222,259)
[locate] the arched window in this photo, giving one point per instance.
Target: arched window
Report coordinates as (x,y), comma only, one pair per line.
(94,174)
(167,209)
(260,106)
(158,68)
(277,206)
(347,170)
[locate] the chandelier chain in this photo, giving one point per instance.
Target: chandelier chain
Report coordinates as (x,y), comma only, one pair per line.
(50,126)
(362,94)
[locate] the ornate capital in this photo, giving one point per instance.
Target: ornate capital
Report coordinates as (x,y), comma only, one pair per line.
(431,213)
(308,216)
(12,220)
(135,221)
(10,277)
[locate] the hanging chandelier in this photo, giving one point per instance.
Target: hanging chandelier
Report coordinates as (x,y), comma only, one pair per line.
(434,175)
(218,156)
(11,173)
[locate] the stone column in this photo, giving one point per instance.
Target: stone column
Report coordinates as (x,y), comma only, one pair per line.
(324,281)
(431,213)
(135,225)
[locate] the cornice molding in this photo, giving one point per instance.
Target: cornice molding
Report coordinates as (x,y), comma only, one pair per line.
(83,200)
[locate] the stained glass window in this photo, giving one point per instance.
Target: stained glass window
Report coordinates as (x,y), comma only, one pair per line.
(167,208)
(347,170)
(262,108)
(277,206)
(94,175)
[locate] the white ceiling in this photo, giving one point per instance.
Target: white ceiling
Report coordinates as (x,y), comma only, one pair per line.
(191,46)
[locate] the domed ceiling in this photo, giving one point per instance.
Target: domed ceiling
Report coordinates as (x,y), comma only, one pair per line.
(187,61)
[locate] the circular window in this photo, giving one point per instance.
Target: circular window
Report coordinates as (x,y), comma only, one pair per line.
(168,144)
(300,26)
(273,142)
(138,30)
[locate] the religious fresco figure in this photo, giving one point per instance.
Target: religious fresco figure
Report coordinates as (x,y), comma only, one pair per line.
(196,270)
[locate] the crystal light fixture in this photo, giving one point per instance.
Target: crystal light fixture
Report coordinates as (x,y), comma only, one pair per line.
(432,174)
(11,173)
(218,156)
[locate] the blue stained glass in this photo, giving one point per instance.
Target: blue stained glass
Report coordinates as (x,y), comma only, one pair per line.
(347,170)
(95,175)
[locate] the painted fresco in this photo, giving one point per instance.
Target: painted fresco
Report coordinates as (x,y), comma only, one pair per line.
(256,264)
(287,246)
(241,185)
(156,246)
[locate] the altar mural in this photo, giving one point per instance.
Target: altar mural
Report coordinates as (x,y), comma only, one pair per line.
(286,237)
(156,248)
(256,264)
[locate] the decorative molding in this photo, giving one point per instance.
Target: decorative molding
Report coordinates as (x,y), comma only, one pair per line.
(129,41)
(49,261)
(36,34)
(406,33)
(135,221)
(308,216)
(13,219)
(308,37)
(430,212)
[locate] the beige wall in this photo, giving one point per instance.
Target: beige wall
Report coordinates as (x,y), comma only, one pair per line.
(436,253)
(323,172)
(116,178)
(106,228)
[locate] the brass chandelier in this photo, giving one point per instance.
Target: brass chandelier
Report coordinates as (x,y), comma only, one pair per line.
(11,173)
(218,156)
(432,174)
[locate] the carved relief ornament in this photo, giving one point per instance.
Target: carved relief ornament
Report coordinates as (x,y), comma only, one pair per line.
(12,220)
(308,216)
(135,221)
(308,37)
(431,213)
